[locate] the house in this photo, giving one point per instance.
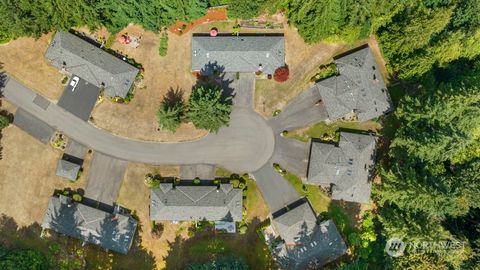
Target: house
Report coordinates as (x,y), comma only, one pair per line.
(358,90)
(345,167)
(89,62)
(187,203)
(306,243)
(112,231)
(242,53)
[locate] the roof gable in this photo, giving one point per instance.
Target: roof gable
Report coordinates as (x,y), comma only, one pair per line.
(113,232)
(91,64)
(358,87)
(346,166)
(243,53)
(196,203)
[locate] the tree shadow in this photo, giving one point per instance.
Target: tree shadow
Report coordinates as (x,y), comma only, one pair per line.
(173,98)
(207,245)
(212,74)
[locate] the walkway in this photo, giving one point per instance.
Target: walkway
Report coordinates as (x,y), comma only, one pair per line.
(245,146)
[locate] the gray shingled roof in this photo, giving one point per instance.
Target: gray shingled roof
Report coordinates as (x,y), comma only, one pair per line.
(306,242)
(347,166)
(91,63)
(358,87)
(244,53)
(67,169)
(113,232)
(196,203)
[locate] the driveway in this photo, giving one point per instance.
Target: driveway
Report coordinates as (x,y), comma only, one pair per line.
(292,155)
(300,112)
(275,189)
(105,178)
(244,146)
(33,126)
(243,88)
(79,100)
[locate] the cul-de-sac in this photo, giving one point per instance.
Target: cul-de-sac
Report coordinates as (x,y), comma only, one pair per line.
(227,134)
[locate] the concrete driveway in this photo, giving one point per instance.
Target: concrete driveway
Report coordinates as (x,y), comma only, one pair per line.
(300,112)
(292,155)
(244,146)
(105,178)
(79,100)
(275,189)
(243,88)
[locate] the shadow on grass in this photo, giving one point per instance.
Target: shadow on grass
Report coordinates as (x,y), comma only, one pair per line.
(207,245)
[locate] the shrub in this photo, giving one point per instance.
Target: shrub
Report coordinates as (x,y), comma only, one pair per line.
(197,181)
(77,197)
(276,112)
(281,74)
(243,229)
(65,80)
(4,121)
(163,48)
(241,185)
(235,183)
(152,181)
(325,71)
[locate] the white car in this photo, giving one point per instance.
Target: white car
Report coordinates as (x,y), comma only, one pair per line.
(74,82)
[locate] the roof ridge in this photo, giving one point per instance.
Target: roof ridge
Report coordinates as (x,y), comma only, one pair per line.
(199,199)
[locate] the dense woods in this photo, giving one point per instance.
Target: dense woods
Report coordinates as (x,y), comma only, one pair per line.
(430,179)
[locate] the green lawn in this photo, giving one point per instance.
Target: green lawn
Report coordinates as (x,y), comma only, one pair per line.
(319,129)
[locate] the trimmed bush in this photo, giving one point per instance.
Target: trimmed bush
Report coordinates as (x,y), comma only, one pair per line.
(77,197)
(281,74)
(163,48)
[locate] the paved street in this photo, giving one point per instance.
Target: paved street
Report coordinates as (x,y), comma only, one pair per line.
(245,146)
(300,112)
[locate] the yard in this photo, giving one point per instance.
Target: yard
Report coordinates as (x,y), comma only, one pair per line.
(177,240)
(346,215)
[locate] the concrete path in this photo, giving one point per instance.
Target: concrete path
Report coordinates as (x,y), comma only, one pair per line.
(300,112)
(245,146)
(292,155)
(275,189)
(105,178)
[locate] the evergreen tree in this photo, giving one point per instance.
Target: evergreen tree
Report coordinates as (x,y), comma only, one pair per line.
(208,109)
(169,118)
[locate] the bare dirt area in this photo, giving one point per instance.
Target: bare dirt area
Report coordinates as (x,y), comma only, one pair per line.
(27,176)
(24,60)
(137,119)
(303,61)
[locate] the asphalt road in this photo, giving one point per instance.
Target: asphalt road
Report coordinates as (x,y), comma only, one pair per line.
(245,146)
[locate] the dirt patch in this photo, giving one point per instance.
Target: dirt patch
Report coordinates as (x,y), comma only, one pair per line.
(213,14)
(24,59)
(27,176)
(303,61)
(137,119)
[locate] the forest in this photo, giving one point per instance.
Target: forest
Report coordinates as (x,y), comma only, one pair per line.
(430,183)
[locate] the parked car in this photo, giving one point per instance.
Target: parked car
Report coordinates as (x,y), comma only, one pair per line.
(74,82)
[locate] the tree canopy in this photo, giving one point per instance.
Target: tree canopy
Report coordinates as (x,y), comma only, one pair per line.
(208,109)
(22,260)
